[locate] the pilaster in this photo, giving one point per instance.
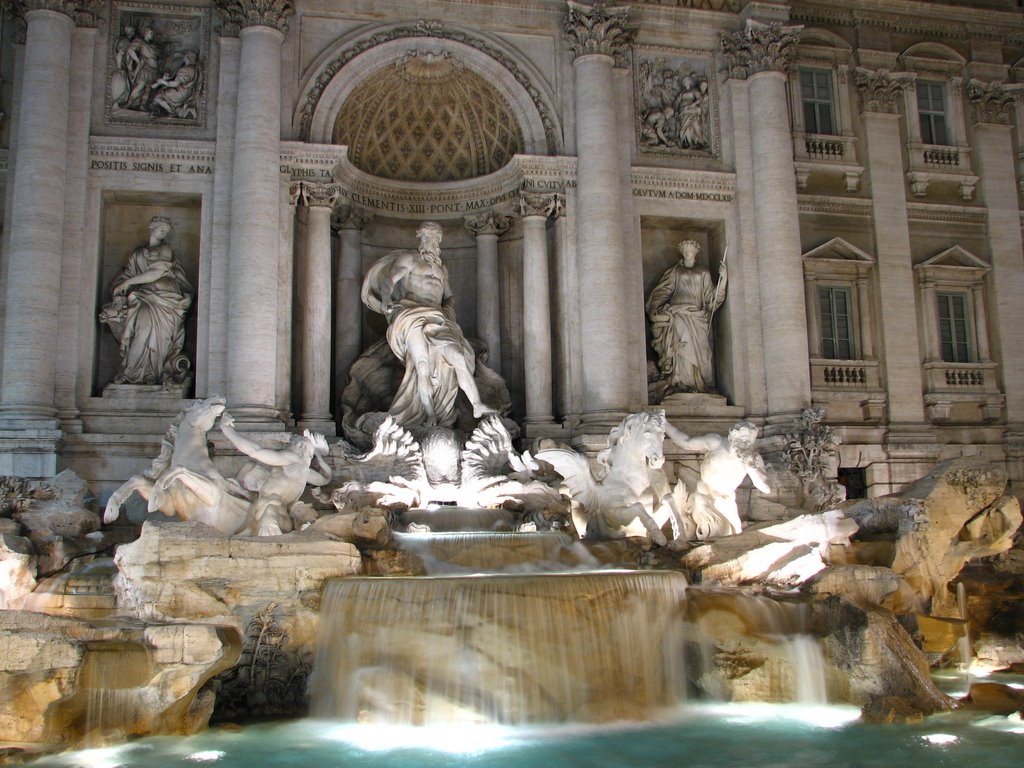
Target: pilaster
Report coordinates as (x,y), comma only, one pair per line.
(991,111)
(910,440)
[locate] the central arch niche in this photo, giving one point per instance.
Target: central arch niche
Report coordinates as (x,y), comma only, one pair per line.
(499,100)
(427,117)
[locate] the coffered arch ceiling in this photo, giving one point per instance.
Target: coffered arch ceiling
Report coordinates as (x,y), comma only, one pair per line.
(427,102)
(428,117)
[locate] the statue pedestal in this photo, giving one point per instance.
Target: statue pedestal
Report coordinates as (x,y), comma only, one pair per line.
(701,412)
(150,394)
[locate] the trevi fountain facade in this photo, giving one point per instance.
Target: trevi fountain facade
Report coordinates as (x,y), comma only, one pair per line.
(513,362)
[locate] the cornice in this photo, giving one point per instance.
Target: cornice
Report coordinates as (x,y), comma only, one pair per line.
(834,206)
(914,18)
(950,214)
(160,149)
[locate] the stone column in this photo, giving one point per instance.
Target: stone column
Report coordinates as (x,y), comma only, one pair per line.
(535,210)
(315,292)
(349,221)
(910,440)
(597,36)
(488,227)
(29,435)
(762,54)
(255,211)
(36,218)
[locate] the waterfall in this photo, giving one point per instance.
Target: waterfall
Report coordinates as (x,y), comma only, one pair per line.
(510,649)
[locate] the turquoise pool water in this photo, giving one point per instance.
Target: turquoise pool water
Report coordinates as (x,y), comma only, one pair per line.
(712,736)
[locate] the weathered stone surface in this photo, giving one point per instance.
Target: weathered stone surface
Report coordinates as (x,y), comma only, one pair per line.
(866,582)
(751,648)
(366,528)
(17,570)
(785,554)
(180,571)
(65,515)
(63,680)
(957,512)
(996,698)
(874,663)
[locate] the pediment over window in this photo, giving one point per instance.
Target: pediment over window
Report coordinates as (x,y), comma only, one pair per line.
(955,257)
(837,257)
(837,248)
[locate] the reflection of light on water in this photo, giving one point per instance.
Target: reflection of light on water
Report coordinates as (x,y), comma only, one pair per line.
(816,716)
(452,739)
(207,756)
(941,739)
(106,757)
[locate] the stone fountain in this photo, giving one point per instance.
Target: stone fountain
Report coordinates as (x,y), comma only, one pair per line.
(525,587)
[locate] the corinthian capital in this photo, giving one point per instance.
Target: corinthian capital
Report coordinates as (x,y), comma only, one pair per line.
(991,102)
(239,14)
(348,216)
(83,12)
(318,194)
(760,48)
(599,28)
(488,223)
(881,90)
(536,204)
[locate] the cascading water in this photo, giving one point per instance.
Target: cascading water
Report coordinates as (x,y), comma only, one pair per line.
(588,647)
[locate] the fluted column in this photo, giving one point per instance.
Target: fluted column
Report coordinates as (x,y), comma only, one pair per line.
(881,93)
(488,227)
(36,217)
(597,36)
(255,211)
(762,54)
(535,210)
(315,293)
(991,112)
(349,221)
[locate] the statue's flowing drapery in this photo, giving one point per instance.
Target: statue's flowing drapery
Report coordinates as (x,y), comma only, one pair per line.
(154,327)
(680,307)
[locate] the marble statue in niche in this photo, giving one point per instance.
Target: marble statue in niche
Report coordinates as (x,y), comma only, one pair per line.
(151,297)
(673,108)
(681,308)
(156,66)
(411,289)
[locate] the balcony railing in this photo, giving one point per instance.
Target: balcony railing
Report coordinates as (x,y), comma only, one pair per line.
(824,153)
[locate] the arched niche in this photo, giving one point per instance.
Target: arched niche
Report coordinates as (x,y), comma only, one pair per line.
(346,67)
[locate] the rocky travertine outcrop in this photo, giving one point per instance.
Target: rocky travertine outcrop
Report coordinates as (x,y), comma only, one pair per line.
(63,680)
(873,662)
(957,512)
(17,570)
(180,571)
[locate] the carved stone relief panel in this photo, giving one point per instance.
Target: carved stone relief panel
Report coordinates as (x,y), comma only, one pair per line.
(675,102)
(157,64)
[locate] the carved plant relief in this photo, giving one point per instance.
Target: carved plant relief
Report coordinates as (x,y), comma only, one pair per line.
(157,64)
(674,109)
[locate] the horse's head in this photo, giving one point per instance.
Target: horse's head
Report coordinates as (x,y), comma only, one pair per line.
(203,414)
(639,438)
